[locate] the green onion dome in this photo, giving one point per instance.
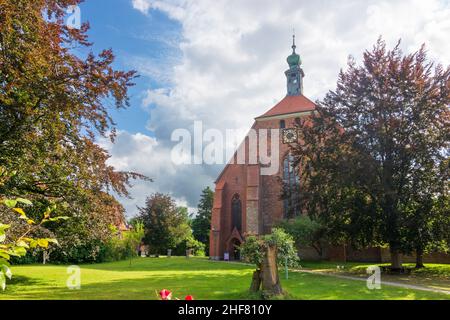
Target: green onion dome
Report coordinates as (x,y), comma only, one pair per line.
(294,59)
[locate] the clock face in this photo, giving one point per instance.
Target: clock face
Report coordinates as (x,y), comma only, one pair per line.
(290,135)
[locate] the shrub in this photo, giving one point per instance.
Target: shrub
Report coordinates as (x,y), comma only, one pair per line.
(197,247)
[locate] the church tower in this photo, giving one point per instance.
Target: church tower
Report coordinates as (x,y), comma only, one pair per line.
(295,73)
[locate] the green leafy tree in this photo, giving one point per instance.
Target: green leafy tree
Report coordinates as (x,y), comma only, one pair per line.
(374,156)
(201,223)
(54,102)
(190,243)
(306,232)
(165,224)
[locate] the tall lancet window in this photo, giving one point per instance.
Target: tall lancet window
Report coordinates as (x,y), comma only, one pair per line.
(291,182)
(236,212)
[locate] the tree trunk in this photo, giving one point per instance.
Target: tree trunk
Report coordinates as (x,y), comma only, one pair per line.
(396,262)
(270,277)
(419,258)
(256,281)
(318,247)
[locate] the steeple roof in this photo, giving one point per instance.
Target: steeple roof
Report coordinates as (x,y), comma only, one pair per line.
(290,105)
(294,59)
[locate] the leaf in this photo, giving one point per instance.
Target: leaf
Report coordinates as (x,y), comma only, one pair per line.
(22,243)
(3,227)
(10,203)
(33,244)
(18,251)
(4,255)
(7,271)
(52,241)
(58,218)
(30,222)
(24,201)
(2,281)
(43,243)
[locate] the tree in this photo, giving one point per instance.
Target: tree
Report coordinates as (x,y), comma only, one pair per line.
(53,104)
(201,224)
(93,220)
(267,252)
(427,226)
(306,232)
(190,243)
(165,224)
(378,147)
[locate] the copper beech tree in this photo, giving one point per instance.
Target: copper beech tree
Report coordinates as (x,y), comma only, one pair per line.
(374,157)
(55,99)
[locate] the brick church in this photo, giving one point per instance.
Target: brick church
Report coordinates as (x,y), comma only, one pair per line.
(247,201)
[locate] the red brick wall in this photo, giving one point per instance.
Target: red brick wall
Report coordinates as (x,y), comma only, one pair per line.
(245,180)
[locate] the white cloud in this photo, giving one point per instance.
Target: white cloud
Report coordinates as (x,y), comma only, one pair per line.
(143,154)
(232,63)
(141,5)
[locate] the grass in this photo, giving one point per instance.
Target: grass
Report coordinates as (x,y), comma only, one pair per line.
(197,276)
(433,275)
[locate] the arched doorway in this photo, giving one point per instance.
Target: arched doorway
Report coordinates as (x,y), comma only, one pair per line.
(235,249)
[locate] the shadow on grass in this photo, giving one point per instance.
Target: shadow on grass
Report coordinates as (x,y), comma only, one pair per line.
(166,264)
(203,279)
(202,287)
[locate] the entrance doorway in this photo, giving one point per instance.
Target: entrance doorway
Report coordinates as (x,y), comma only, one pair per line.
(235,250)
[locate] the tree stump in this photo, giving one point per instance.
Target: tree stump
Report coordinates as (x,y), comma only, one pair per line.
(269,272)
(256,281)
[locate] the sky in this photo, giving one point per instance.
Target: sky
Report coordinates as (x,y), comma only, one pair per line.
(222,63)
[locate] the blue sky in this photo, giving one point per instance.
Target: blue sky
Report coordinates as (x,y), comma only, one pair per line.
(222,62)
(115,24)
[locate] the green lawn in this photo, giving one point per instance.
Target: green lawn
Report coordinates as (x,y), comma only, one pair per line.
(433,275)
(197,276)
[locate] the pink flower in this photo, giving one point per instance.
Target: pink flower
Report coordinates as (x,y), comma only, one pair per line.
(189,298)
(165,294)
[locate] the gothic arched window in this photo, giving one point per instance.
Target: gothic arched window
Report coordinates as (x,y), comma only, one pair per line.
(291,183)
(236,213)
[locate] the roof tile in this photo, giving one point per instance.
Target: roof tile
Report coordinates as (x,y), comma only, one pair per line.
(291,104)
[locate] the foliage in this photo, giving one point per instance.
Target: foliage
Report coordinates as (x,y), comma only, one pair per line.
(306,232)
(198,248)
(376,151)
(86,236)
(253,249)
(165,224)
(201,224)
(122,245)
(18,246)
(50,96)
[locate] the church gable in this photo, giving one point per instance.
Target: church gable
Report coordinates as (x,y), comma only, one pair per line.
(290,106)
